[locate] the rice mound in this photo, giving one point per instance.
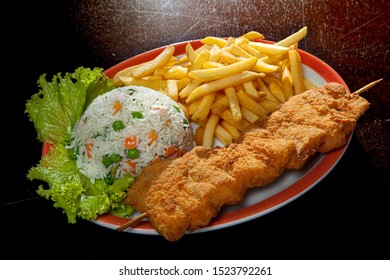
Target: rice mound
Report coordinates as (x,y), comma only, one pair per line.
(135,118)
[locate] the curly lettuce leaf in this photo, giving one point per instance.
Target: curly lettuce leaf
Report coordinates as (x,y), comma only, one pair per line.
(59,104)
(73,192)
(62,175)
(55,167)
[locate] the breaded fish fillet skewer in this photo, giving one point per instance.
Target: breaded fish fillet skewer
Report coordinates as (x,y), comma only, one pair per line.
(319,120)
(183,194)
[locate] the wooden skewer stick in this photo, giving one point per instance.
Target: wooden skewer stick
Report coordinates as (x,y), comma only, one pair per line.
(131,222)
(366,87)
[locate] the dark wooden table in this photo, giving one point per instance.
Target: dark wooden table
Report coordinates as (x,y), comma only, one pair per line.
(345,216)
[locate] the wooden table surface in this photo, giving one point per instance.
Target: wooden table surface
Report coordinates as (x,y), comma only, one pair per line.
(343,216)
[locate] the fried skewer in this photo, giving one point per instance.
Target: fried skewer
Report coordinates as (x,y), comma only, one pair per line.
(204,193)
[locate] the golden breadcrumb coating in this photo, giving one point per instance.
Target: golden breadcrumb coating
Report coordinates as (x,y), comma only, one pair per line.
(183,194)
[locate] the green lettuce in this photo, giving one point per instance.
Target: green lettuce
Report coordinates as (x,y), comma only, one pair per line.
(54,110)
(59,104)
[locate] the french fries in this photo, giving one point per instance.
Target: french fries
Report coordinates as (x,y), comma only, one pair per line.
(149,67)
(223,83)
(293,38)
(223,135)
(250,104)
(205,75)
(204,108)
(227,83)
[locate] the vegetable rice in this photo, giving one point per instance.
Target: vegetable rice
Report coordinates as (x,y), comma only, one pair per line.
(123,130)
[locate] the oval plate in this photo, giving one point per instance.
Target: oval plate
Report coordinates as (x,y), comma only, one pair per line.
(257,201)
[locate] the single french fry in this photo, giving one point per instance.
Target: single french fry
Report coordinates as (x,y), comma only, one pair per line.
(296,71)
(211,40)
(223,135)
(205,75)
(253,35)
(219,84)
(293,38)
(153,84)
(250,104)
(185,92)
(209,130)
(251,91)
(234,105)
(149,67)
(268,49)
(277,91)
(287,83)
(234,132)
(172,90)
(204,107)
